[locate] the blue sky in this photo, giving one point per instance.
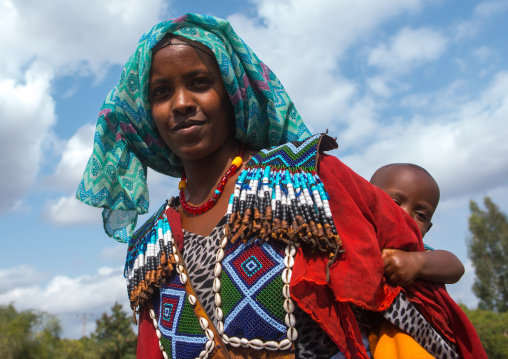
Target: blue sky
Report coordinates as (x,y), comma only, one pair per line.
(395,81)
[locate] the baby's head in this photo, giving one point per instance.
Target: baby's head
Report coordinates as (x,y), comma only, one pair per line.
(412,188)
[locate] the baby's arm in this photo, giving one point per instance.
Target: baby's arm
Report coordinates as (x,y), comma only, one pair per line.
(402,268)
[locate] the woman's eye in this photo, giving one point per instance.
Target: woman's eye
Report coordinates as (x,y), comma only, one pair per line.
(159,92)
(396,201)
(201,82)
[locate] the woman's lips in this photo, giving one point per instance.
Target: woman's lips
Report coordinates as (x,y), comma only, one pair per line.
(186,124)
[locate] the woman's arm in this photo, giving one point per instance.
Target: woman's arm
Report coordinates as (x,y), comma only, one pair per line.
(402,268)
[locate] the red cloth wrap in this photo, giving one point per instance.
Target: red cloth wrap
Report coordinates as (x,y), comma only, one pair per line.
(367,221)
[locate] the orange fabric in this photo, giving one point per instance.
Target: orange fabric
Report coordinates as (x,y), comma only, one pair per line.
(393,343)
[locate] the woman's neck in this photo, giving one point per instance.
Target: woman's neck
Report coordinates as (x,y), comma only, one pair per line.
(203,175)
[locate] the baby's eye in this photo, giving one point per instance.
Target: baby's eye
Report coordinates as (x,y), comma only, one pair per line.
(422,216)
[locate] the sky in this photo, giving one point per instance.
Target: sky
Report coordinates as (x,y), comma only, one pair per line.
(416,81)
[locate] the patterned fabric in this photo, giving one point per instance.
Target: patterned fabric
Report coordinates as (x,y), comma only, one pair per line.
(126,139)
(182,335)
(403,314)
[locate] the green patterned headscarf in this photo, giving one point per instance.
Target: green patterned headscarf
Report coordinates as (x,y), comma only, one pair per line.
(126,139)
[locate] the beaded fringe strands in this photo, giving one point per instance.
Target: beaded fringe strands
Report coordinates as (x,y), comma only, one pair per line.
(235,164)
(153,264)
(224,318)
(292,206)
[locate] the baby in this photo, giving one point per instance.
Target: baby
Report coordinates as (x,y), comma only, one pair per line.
(417,193)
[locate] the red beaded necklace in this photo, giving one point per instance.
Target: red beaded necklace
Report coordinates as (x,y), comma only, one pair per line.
(235,164)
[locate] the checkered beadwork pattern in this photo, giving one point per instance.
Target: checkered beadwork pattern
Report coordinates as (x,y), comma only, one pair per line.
(251,288)
(182,335)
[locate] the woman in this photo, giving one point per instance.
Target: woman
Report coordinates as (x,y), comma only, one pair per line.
(282,244)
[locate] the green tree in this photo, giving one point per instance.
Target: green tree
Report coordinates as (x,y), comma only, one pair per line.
(28,334)
(488,249)
(114,335)
(492,328)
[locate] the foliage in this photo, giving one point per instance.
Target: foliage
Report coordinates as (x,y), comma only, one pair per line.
(35,335)
(488,249)
(492,328)
(114,335)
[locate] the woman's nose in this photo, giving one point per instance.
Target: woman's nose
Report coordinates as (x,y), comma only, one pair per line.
(183,101)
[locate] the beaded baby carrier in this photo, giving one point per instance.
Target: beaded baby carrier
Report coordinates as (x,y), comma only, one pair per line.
(279,204)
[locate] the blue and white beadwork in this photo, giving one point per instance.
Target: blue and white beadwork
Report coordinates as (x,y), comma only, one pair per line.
(251,269)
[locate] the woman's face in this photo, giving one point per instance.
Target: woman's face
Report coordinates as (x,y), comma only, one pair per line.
(189,103)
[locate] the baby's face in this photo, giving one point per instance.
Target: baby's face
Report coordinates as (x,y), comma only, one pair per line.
(414,192)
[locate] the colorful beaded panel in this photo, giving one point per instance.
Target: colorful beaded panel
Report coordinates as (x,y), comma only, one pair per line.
(181,334)
(279,196)
(252,300)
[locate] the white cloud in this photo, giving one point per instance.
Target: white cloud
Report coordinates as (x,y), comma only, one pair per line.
(284,36)
(490,8)
(70,298)
(46,40)
(114,253)
(17,277)
(68,211)
(408,49)
(73,36)
(463,145)
(27,114)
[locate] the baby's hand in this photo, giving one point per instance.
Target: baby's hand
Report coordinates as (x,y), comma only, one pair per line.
(401,268)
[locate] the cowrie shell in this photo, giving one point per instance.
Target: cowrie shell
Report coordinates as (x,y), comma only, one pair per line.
(209,334)
(220,255)
(289,307)
(218,269)
(234,341)
(271,345)
(244,342)
(292,334)
(290,320)
(289,261)
(216,285)
(285,344)
(219,314)
(218,300)
(220,327)
(209,346)
(183,278)
(204,323)
(285,291)
(256,344)
(192,299)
